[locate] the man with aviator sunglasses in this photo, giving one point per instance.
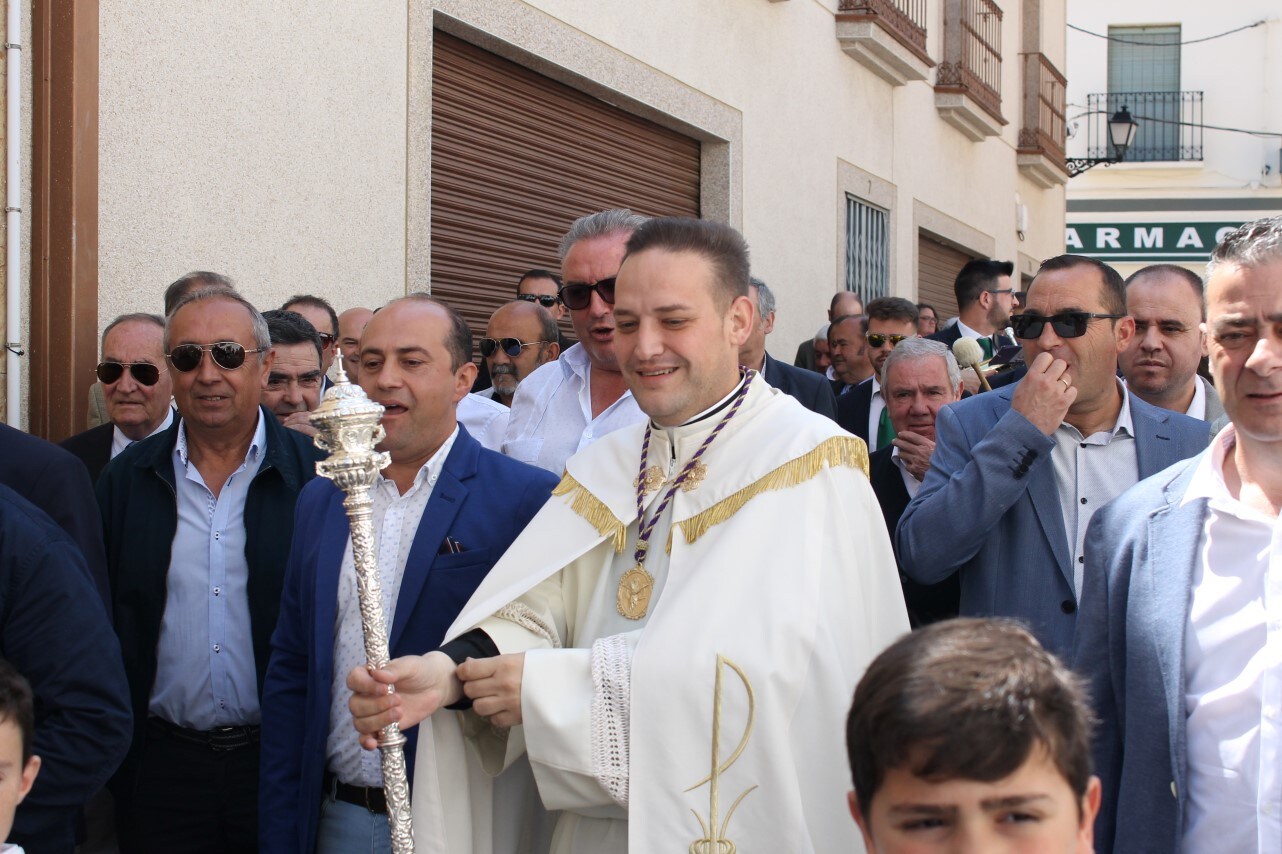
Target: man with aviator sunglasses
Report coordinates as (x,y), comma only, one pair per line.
(1017,473)
(520,337)
(197,522)
(566,405)
(137,390)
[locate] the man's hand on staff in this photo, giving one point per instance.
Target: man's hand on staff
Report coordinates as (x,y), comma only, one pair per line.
(494,685)
(424,683)
(1045,393)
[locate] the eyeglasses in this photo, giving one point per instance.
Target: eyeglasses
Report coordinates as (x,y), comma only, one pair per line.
(227,355)
(1067,324)
(545,300)
(578,295)
(877,340)
(1002,291)
(511,346)
(144,372)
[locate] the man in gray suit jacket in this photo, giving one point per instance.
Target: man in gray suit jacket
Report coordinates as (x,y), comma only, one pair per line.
(1178,632)
(1017,473)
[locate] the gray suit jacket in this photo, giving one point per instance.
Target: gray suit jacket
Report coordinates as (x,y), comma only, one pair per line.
(989,509)
(1140,554)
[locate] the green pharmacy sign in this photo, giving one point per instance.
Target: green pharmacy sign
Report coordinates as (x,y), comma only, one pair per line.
(1146,241)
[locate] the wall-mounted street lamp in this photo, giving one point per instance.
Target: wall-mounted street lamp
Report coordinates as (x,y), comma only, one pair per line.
(1121,133)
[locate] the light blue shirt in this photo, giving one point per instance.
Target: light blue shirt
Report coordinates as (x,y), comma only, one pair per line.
(205,671)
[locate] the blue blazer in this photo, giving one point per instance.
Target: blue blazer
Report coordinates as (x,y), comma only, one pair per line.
(482,500)
(989,508)
(810,388)
(1140,555)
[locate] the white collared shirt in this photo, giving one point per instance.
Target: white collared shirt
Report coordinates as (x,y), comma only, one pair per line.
(1091,471)
(396,520)
(1197,406)
(551,418)
(967,332)
(484,418)
(119,441)
(875,406)
(911,483)
(1233,670)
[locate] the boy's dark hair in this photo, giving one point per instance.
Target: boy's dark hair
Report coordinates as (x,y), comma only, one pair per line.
(17,705)
(966,699)
(978,276)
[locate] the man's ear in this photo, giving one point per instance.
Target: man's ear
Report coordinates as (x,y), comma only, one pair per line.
(1124,332)
(464,378)
(29,772)
(1089,809)
(742,317)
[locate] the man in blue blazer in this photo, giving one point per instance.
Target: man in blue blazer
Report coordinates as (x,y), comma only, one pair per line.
(444,511)
(811,389)
(1017,473)
(1177,634)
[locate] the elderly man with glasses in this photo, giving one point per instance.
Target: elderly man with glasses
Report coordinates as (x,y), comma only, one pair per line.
(136,387)
(566,405)
(197,522)
(1017,473)
(520,337)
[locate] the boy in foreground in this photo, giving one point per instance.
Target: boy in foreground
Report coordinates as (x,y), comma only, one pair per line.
(18,767)
(968,736)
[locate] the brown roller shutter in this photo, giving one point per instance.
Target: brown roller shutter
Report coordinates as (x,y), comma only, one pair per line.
(937,267)
(517,157)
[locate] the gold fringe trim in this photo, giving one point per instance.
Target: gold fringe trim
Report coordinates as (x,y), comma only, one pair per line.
(594,511)
(849,451)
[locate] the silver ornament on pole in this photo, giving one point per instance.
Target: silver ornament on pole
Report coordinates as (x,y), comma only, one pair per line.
(347,426)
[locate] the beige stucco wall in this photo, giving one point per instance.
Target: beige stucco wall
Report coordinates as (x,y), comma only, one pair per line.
(264,140)
(288,143)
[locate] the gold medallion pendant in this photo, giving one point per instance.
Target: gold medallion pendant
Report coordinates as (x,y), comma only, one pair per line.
(633,598)
(650,480)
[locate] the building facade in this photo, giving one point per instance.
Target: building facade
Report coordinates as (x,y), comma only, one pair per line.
(362,150)
(1201,82)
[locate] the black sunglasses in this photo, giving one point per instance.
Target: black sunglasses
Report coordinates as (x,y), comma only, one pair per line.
(144,372)
(1067,324)
(545,300)
(511,346)
(876,339)
(227,355)
(578,295)
(327,340)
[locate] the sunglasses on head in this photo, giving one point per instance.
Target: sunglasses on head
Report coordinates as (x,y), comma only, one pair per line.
(578,295)
(545,300)
(227,355)
(877,340)
(144,372)
(511,346)
(1067,324)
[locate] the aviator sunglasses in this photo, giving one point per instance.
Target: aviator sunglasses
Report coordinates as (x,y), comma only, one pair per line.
(511,346)
(1067,324)
(545,300)
(144,372)
(578,295)
(877,340)
(227,355)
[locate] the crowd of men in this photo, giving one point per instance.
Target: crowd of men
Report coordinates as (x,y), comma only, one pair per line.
(637,574)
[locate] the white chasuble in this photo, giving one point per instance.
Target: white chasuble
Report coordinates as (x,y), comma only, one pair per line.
(774,587)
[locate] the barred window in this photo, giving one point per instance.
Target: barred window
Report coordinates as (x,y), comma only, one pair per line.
(867,250)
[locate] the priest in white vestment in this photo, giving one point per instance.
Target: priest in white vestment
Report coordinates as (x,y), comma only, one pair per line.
(674,639)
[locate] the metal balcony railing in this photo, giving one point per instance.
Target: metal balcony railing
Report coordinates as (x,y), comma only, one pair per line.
(973,53)
(1170,125)
(903,19)
(1044,104)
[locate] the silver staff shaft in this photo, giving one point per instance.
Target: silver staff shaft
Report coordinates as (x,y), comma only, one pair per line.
(347,424)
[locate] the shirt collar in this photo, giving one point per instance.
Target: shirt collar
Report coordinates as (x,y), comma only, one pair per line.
(1198,403)
(1208,478)
(256,444)
(967,332)
(575,361)
(1122,427)
(119,441)
(430,471)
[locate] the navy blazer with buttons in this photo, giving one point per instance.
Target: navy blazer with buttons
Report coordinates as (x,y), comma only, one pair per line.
(989,509)
(481,500)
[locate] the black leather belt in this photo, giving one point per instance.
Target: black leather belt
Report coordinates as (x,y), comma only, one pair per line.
(370,797)
(219,738)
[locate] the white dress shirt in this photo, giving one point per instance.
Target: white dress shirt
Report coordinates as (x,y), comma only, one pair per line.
(119,441)
(1091,471)
(396,519)
(911,483)
(1233,671)
(551,417)
(1197,406)
(875,407)
(484,418)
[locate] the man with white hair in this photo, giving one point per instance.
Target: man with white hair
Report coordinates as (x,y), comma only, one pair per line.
(566,405)
(918,378)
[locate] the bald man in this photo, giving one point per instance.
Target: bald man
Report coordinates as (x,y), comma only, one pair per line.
(351,324)
(520,337)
